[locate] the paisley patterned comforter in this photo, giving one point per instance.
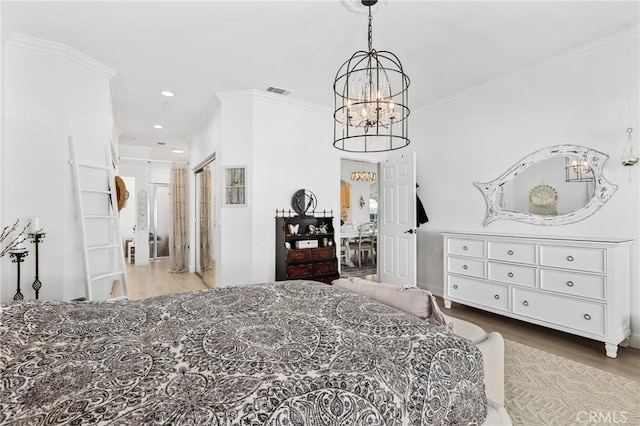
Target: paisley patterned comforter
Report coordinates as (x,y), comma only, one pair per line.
(289,353)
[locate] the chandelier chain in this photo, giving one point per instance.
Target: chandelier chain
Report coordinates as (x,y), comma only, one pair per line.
(370,31)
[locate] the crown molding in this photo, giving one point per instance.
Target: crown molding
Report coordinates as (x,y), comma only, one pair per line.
(563,58)
(208,110)
(274,98)
(251,94)
(62,50)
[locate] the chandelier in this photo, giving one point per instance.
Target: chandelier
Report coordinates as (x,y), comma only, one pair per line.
(371,101)
(363,176)
(577,170)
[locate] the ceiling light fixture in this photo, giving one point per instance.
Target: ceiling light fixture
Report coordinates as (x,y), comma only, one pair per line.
(158,126)
(177,151)
(371,100)
(167,93)
(363,176)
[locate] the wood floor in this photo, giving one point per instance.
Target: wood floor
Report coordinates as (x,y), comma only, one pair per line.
(153,280)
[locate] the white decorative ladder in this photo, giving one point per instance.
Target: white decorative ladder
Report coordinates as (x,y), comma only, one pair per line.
(104,252)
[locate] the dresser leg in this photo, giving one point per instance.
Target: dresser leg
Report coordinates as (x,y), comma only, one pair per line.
(612,350)
(447,304)
(624,343)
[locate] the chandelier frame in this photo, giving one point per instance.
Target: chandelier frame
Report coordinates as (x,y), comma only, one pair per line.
(371,101)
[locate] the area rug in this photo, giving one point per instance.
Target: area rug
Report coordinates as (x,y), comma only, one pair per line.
(546,389)
(348,271)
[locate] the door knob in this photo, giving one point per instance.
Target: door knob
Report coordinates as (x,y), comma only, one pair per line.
(410,231)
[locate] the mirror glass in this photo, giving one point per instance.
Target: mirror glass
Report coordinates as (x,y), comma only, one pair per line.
(205,261)
(557,185)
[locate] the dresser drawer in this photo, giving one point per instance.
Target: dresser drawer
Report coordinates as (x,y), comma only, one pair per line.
(300,271)
(480,292)
(324,253)
(473,248)
(298,255)
(324,268)
(512,274)
(573,283)
(470,267)
(584,259)
(512,252)
(577,314)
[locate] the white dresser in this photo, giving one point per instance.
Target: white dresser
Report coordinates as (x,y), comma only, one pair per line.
(577,285)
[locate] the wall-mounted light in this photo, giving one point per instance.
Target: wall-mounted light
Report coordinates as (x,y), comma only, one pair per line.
(361,202)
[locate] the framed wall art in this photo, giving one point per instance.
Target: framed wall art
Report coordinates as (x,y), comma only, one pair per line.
(235,186)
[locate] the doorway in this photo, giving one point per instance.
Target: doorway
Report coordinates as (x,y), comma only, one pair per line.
(358,212)
(159,221)
(205,224)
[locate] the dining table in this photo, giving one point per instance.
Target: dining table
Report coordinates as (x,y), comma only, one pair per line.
(346,235)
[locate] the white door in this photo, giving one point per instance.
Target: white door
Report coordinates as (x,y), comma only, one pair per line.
(397,220)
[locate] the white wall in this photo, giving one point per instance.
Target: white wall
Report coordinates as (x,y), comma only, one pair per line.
(51,92)
(577,99)
(271,135)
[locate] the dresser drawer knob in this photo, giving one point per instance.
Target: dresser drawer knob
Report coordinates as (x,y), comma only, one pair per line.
(465,267)
(510,274)
(570,258)
(510,252)
(587,317)
(525,303)
(497,296)
(455,286)
(465,248)
(570,283)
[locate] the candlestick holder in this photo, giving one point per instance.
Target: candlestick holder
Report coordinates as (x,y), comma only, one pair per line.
(18,256)
(37,238)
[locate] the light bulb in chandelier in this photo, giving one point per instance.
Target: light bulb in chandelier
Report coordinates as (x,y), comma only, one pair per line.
(629,155)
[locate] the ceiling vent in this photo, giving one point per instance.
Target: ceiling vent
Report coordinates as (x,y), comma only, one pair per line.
(278,90)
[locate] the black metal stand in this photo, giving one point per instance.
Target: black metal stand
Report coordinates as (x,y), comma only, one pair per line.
(18,256)
(37,239)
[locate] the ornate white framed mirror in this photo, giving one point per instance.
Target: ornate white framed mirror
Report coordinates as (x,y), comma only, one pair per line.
(556,185)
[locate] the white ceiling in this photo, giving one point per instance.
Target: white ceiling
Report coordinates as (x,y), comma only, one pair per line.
(201,48)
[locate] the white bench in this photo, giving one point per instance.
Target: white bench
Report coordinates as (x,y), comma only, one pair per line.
(492,347)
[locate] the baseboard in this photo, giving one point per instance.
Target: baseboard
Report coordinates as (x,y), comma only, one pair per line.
(435,289)
(634,340)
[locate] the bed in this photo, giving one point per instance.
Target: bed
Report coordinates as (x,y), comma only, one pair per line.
(285,353)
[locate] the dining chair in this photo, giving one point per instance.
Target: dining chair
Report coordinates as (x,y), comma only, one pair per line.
(344,249)
(365,243)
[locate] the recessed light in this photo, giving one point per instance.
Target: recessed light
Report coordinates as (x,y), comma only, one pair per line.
(167,93)
(158,126)
(177,151)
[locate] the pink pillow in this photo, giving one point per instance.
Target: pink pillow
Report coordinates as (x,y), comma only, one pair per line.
(413,300)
